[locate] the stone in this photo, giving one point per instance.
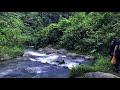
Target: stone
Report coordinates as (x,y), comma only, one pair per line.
(57,61)
(89,57)
(100,75)
(48,50)
(1,59)
(26,54)
(62,62)
(62,51)
(40,49)
(74,55)
(6,57)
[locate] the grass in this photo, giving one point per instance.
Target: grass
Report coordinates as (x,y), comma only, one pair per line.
(102,63)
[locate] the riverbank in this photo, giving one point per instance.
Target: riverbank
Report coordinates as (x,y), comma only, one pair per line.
(100,64)
(101,68)
(43,63)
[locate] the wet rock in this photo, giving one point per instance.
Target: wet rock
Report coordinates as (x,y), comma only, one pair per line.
(89,57)
(48,50)
(57,61)
(40,49)
(100,75)
(62,62)
(62,51)
(28,55)
(18,58)
(72,54)
(5,57)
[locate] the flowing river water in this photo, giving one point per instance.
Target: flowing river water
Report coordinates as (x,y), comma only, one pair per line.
(39,65)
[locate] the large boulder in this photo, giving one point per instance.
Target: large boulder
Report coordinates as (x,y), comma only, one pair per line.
(62,51)
(100,75)
(27,54)
(50,51)
(5,57)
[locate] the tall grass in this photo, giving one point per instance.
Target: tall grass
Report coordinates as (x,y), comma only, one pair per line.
(102,63)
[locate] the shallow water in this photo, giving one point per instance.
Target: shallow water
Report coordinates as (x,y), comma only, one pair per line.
(39,66)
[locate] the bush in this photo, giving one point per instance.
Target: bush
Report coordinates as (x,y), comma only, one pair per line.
(80,70)
(50,35)
(11,51)
(101,64)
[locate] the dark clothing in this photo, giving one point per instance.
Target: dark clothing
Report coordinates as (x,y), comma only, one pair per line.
(117,56)
(117,66)
(118,49)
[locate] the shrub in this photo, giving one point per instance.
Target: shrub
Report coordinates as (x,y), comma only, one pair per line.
(101,64)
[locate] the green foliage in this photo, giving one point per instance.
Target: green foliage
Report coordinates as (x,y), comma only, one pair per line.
(50,35)
(80,70)
(11,51)
(12,37)
(101,64)
(53,17)
(89,32)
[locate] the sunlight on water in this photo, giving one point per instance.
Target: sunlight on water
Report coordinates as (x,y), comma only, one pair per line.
(34,53)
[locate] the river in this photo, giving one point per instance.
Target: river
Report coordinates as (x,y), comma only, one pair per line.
(39,65)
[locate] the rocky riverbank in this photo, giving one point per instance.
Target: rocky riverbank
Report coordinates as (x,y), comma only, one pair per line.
(99,75)
(49,50)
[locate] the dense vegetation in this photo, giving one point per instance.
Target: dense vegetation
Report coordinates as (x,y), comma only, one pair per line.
(20,29)
(84,32)
(102,64)
(88,32)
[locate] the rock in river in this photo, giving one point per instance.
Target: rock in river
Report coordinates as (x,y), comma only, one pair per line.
(5,57)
